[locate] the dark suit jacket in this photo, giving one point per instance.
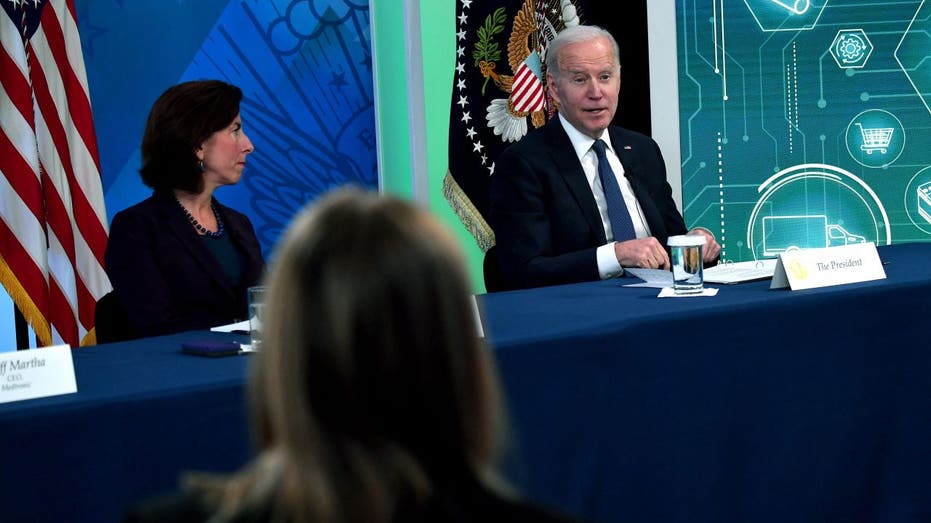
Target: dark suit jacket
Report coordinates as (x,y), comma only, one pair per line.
(165,277)
(544,215)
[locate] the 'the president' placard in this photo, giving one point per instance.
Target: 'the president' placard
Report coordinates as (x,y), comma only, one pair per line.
(36,373)
(811,268)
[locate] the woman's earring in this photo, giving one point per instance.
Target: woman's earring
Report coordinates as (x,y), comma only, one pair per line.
(200,165)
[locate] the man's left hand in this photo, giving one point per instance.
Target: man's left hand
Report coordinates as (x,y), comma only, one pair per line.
(712,250)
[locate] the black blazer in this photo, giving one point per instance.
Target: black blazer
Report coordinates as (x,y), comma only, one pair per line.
(546,223)
(166,279)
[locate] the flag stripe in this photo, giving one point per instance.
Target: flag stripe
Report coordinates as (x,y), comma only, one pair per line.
(15,86)
(61,313)
(31,278)
(31,231)
(68,20)
(536,103)
(24,184)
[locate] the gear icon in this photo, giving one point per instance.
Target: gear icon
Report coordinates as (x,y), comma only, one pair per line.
(850,47)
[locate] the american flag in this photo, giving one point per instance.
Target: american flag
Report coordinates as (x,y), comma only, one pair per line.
(53,225)
(527,93)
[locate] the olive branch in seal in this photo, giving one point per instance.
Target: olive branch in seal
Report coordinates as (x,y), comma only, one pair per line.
(486,51)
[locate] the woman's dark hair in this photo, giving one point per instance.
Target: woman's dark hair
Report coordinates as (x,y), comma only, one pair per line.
(180,121)
(372,385)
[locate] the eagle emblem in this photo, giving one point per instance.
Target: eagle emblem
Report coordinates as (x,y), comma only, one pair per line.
(500,75)
(533,27)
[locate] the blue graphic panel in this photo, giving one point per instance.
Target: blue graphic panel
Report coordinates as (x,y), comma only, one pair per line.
(803,123)
(303,65)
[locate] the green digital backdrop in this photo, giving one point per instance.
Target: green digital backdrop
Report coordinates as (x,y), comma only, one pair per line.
(802,123)
(805,123)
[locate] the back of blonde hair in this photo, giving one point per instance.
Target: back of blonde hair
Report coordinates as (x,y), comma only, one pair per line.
(372,384)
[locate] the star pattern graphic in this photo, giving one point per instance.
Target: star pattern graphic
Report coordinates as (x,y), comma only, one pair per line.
(339,80)
(18,3)
(461,83)
(366,61)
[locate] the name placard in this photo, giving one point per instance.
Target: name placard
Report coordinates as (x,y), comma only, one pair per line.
(36,373)
(826,266)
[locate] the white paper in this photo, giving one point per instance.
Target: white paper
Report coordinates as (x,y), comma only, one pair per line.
(242,326)
(669,292)
(653,278)
(738,272)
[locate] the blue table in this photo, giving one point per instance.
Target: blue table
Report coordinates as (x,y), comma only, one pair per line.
(757,405)
(753,406)
(144,413)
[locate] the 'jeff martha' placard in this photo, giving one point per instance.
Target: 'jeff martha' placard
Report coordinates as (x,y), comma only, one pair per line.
(36,373)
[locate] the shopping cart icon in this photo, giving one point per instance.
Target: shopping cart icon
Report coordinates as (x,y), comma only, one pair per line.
(875,138)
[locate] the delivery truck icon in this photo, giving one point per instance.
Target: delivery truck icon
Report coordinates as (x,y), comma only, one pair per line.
(924,201)
(790,233)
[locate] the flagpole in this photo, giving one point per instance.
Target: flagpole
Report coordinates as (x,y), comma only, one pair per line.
(22,330)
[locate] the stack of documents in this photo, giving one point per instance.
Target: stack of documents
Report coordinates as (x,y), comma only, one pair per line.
(724,273)
(738,272)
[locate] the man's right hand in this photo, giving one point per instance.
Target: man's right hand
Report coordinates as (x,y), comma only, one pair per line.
(646,253)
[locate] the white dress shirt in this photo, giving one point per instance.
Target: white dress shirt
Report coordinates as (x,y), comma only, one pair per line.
(608,266)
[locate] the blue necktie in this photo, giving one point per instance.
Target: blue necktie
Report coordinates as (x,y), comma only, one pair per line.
(621,223)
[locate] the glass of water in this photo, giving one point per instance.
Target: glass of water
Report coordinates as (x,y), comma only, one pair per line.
(687,263)
(256,311)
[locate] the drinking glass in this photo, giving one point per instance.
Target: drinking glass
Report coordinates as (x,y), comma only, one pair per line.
(256,311)
(687,263)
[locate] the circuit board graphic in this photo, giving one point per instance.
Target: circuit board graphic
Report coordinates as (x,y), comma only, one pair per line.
(804,112)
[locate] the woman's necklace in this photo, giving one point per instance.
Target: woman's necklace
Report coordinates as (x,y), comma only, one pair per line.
(200,228)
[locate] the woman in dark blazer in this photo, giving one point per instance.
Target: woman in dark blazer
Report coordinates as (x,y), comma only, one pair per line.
(180,260)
